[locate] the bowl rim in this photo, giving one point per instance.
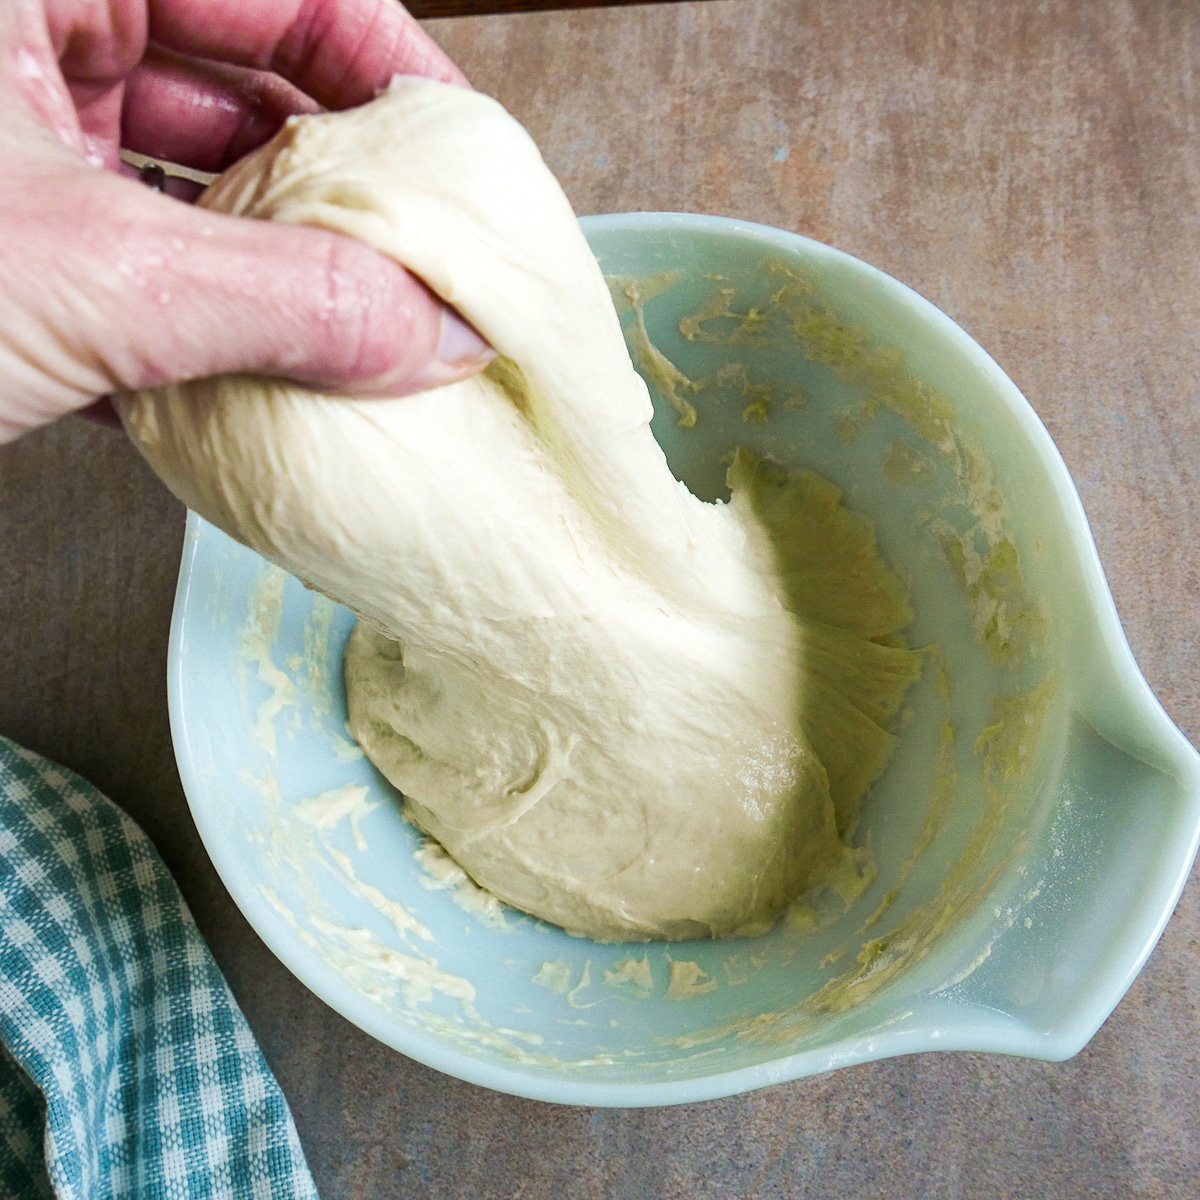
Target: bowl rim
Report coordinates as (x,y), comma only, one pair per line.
(1069,1034)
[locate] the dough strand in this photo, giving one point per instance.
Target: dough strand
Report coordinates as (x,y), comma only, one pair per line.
(618,707)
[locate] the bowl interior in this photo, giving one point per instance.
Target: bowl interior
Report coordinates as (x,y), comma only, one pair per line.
(1030,835)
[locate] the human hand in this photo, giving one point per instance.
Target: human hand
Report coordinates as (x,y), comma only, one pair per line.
(106,284)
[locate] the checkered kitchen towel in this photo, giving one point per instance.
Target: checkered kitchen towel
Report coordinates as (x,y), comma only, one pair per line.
(127,1069)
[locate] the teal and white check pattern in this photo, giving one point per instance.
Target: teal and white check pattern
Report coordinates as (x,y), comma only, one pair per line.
(127,1069)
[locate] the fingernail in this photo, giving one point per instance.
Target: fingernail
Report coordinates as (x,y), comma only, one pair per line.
(459,344)
(461,353)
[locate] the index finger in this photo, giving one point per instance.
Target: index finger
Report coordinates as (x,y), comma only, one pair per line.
(341,52)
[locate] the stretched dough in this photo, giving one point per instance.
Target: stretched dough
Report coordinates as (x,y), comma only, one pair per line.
(592,688)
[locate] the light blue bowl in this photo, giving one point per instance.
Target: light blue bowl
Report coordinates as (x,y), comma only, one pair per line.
(1026,864)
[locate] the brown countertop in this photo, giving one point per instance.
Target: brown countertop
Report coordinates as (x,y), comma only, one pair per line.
(1032,168)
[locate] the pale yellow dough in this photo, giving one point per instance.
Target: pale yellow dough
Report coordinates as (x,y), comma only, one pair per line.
(600,694)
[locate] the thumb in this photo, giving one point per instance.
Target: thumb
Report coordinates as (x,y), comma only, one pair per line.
(307,304)
(225,294)
(123,288)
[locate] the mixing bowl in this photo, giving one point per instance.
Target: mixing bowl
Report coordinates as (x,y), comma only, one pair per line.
(1020,856)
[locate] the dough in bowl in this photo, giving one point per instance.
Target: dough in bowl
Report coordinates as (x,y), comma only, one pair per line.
(622,709)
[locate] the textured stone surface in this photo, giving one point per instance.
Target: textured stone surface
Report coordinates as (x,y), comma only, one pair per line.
(1034,169)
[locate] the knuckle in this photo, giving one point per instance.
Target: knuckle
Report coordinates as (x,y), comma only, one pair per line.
(365,323)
